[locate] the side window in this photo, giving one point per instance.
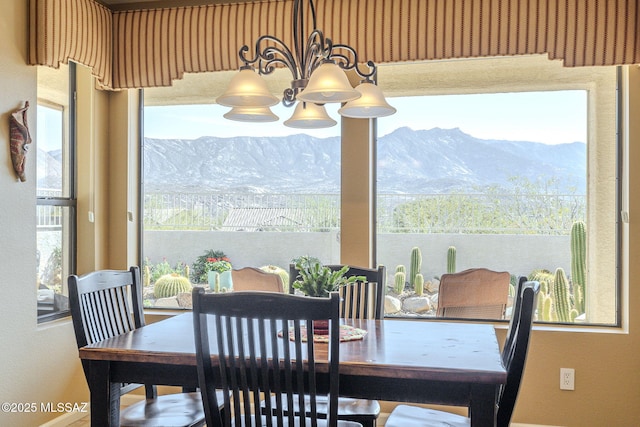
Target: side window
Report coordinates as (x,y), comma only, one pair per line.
(56,203)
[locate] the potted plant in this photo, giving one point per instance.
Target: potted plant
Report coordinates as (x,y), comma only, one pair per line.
(317,280)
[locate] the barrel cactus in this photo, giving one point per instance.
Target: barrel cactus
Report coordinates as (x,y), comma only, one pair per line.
(579,263)
(284,275)
(451,259)
(416,264)
(171,285)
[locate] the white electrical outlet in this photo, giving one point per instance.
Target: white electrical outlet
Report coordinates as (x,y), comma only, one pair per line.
(567,379)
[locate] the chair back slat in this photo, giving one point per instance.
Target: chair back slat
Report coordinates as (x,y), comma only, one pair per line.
(264,345)
(514,352)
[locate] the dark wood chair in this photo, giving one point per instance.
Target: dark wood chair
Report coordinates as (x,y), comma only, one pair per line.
(265,346)
(514,356)
(254,279)
(108,303)
(476,293)
(359,300)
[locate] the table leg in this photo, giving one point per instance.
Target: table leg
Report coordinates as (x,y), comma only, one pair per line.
(483,405)
(105,396)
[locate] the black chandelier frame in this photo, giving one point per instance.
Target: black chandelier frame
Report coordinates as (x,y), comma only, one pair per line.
(270,52)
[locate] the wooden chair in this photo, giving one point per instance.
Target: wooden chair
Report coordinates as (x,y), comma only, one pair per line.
(514,356)
(359,300)
(108,303)
(254,279)
(477,293)
(252,330)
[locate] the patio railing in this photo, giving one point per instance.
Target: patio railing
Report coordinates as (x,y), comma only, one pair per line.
(396,213)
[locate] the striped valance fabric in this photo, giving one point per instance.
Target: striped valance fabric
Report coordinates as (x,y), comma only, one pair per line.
(80,30)
(153,47)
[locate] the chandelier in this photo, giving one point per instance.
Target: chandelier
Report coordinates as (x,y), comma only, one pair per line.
(318,68)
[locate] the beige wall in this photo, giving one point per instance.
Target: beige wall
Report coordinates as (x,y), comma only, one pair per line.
(40,364)
(37,363)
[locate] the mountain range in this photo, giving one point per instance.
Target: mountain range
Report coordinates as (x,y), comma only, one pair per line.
(409,161)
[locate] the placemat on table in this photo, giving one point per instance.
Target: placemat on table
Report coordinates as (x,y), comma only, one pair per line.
(347,333)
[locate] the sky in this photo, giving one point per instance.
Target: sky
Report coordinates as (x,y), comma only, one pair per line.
(551,117)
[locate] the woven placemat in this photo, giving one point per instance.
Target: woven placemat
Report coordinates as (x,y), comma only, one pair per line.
(347,333)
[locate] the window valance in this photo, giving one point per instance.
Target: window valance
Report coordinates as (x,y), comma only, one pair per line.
(147,48)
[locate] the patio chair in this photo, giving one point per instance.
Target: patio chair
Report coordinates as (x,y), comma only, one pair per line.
(359,300)
(265,345)
(514,356)
(254,279)
(108,303)
(477,293)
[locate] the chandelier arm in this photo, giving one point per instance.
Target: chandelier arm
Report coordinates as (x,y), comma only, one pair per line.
(318,48)
(350,61)
(266,55)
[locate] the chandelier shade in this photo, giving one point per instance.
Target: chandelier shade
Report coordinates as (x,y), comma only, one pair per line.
(318,68)
(251,114)
(328,83)
(247,89)
(371,104)
(310,116)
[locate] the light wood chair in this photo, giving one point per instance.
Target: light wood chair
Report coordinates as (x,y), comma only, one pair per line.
(359,300)
(254,279)
(252,330)
(514,356)
(106,304)
(477,293)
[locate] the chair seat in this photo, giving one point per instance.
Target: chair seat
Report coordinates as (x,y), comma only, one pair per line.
(348,408)
(414,416)
(181,409)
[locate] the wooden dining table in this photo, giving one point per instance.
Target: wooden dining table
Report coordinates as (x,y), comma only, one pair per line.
(397,360)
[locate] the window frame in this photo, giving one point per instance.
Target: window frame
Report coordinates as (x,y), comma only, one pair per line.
(69,202)
(437,87)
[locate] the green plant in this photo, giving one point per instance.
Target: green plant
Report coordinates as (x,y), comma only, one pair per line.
(579,263)
(401,269)
(171,285)
(451,259)
(211,260)
(399,279)
(317,280)
(416,264)
(160,269)
(418,285)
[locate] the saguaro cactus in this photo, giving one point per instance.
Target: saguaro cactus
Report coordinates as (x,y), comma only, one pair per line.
(398,281)
(418,285)
(451,259)
(416,264)
(561,296)
(579,263)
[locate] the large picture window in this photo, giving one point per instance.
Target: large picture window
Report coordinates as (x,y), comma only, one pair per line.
(489,163)
(507,164)
(221,195)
